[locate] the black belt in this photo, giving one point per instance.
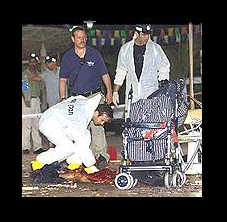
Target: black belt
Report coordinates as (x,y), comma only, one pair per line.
(86,94)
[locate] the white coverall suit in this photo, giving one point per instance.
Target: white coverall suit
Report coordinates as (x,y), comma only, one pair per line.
(65,125)
(156,67)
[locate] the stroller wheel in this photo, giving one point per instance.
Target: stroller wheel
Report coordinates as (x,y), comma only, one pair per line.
(131,181)
(179,179)
(134,181)
(123,181)
(168,179)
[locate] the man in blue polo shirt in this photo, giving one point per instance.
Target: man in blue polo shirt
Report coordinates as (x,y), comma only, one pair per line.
(84,68)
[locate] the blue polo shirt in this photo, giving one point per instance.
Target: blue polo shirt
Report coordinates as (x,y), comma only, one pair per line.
(83,76)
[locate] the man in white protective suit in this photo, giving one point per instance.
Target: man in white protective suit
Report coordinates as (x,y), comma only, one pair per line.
(143,63)
(65,125)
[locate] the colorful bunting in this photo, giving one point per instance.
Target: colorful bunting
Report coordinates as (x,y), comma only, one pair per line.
(162,32)
(105,34)
(184,32)
(116,38)
(116,34)
(103,41)
(98,33)
(92,32)
(117,42)
(112,41)
(196,29)
(171,35)
(123,34)
(93,41)
(166,39)
(170,31)
(107,42)
(177,34)
(110,34)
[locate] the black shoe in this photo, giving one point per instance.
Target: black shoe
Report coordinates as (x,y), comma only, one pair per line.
(25,151)
(40,150)
(47,174)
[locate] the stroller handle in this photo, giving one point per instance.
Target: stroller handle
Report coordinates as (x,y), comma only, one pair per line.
(152,125)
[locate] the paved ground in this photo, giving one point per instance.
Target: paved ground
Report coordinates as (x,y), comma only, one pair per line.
(192,187)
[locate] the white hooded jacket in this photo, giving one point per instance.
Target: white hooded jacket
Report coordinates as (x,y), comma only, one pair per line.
(74,114)
(156,67)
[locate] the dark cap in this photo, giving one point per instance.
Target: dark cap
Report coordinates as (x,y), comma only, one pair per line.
(143,28)
(49,59)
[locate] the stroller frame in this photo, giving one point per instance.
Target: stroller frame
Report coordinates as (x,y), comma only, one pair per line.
(174,174)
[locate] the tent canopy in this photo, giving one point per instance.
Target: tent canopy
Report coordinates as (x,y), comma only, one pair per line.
(55,39)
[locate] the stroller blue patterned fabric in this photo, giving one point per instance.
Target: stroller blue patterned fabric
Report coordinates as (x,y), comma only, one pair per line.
(151,148)
(167,104)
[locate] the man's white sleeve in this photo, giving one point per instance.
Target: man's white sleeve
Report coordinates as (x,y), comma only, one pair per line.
(163,64)
(121,69)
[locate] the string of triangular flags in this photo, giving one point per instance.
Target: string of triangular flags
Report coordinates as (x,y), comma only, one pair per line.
(117,38)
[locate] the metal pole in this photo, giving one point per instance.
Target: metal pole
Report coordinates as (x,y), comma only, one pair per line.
(43,52)
(191,90)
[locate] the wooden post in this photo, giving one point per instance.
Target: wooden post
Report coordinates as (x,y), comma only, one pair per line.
(201,53)
(43,53)
(191,90)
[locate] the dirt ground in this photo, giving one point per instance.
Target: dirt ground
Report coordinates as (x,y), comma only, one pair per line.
(191,188)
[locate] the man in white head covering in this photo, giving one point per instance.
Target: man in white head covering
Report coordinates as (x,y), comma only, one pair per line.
(143,63)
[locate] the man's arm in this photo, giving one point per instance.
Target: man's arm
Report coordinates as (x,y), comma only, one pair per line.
(35,77)
(118,81)
(62,87)
(121,72)
(107,82)
(43,96)
(163,64)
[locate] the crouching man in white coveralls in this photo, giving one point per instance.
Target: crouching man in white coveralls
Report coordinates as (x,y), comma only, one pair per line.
(65,125)
(143,63)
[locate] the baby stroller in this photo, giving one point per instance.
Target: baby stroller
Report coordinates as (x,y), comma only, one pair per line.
(150,138)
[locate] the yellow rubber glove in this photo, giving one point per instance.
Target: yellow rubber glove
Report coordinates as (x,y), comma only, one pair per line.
(91,169)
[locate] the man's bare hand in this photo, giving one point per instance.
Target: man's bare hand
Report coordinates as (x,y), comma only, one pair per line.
(109,98)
